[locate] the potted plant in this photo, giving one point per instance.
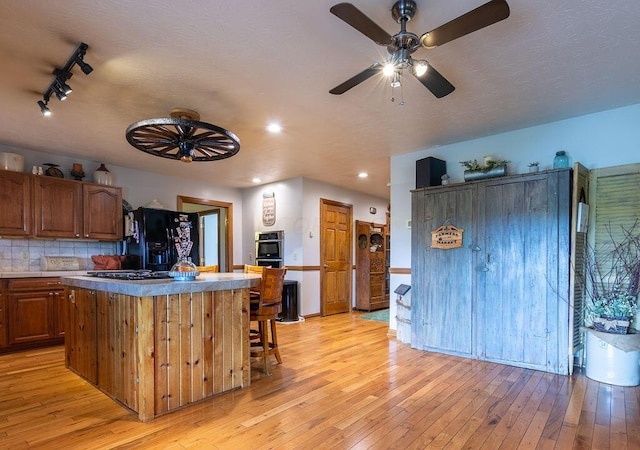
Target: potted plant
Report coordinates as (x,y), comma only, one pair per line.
(612,286)
(533,166)
(613,283)
(490,169)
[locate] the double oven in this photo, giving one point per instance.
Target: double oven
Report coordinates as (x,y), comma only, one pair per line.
(270,248)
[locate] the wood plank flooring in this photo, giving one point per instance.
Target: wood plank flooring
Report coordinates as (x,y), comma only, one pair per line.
(344,384)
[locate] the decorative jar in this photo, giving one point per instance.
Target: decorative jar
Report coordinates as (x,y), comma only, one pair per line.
(103,176)
(561,160)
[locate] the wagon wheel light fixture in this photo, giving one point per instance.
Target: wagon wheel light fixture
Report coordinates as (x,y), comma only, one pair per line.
(182,136)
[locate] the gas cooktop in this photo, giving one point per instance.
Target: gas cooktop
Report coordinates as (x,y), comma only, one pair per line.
(130,274)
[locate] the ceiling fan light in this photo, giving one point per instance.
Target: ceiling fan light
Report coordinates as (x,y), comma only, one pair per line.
(388,70)
(420,68)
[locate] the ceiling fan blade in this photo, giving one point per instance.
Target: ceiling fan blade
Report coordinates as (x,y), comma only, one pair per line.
(483,16)
(357,79)
(436,83)
(356,18)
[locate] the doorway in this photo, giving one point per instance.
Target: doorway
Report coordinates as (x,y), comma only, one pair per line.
(336,270)
(216,229)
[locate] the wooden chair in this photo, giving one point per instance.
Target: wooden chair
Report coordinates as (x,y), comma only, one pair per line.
(265,312)
(254,292)
(209,269)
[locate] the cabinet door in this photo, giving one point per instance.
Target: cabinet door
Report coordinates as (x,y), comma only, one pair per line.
(442,280)
(15,204)
(58,207)
(80,336)
(102,207)
(59,313)
(3,317)
(522,294)
(30,317)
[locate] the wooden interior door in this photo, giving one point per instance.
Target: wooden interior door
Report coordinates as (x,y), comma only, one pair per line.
(335,257)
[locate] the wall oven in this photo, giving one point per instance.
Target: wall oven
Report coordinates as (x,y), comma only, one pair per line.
(270,248)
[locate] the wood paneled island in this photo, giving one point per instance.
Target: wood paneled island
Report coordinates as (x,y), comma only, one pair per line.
(159,345)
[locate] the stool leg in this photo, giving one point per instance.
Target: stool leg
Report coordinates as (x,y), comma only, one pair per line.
(265,349)
(274,340)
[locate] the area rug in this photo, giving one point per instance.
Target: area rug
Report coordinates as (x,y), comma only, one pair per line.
(380,316)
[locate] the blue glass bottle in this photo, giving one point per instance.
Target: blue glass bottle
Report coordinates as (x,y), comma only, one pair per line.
(561,161)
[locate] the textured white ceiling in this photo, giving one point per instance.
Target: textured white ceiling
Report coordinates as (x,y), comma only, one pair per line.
(244,63)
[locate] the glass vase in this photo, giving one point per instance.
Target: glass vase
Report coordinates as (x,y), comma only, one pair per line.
(561,160)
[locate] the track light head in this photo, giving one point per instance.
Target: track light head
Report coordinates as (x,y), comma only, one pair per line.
(86,68)
(43,108)
(58,92)
(64,87)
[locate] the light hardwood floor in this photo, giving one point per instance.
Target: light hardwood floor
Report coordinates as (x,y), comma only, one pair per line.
(344,384)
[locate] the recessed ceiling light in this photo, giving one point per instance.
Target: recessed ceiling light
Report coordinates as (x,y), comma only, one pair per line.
(363,175)
(256,180)
(274,128)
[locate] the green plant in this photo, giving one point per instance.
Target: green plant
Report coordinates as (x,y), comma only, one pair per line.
(474,165)
(613,276)
(533,164)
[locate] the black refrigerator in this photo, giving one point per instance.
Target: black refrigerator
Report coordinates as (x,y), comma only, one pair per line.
(160,237)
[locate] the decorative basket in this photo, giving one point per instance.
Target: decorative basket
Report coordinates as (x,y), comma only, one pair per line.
(608,324)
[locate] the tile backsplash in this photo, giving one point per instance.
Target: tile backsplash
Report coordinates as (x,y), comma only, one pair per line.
(23,255)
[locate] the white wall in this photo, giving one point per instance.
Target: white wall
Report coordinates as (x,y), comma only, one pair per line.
(298,214)
(603,139)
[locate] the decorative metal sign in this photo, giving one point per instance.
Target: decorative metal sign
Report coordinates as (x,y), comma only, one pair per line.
(268,209)
(446,237)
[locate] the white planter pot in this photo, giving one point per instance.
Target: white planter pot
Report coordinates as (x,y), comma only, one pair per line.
(609,364)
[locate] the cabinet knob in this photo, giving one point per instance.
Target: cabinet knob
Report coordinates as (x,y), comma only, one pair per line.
(77,234)
(86,235)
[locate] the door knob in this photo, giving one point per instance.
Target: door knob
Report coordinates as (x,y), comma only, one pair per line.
(326,266)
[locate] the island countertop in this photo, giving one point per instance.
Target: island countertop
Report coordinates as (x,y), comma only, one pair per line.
(145,288)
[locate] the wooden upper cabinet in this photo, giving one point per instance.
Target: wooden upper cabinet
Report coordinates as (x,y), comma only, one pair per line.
(58,207)
(102,206)
(15,204)
(69,209)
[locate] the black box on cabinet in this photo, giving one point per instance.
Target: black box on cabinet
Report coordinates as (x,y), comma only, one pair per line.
(429,172)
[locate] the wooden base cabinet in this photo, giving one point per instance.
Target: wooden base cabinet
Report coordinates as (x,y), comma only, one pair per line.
(33,313)
(501,296)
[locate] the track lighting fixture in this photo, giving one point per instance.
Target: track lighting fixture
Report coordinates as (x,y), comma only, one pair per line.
(59,86)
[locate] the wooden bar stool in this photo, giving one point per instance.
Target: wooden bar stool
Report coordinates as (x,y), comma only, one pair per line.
(254,292)
(208,269)
(265,311)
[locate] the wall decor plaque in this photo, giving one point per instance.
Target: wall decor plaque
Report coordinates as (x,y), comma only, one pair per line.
(446,237)
(268,209)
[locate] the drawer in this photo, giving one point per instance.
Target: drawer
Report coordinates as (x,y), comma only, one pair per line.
(34,284)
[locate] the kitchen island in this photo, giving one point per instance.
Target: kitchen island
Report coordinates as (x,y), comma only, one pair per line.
(159,345)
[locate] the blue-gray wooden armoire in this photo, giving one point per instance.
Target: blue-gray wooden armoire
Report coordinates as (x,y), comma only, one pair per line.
(502,296)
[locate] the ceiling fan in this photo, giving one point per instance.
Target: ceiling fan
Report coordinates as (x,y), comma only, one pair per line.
(401,45)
